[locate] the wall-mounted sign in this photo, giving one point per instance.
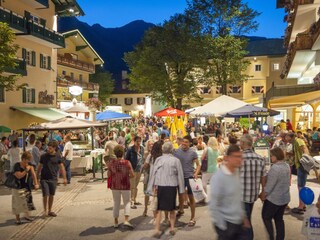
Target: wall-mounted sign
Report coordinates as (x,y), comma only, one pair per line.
(45,98)
(262,147)
(75,90)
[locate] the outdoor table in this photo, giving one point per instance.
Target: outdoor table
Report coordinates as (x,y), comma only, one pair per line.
(85,163)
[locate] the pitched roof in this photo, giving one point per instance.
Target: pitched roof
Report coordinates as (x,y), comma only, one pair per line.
(266,47)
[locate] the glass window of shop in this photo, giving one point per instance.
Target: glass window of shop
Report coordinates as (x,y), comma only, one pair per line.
(317,123)
(304,117)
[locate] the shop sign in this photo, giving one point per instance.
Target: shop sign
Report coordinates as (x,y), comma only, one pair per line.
(262,147)
(260,114)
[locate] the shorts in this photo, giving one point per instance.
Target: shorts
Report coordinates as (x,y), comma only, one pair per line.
(187,185)
(302,177)
(48,187)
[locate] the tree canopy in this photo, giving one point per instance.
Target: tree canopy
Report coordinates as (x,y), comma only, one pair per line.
(164,63)
(8,52)
(106,84)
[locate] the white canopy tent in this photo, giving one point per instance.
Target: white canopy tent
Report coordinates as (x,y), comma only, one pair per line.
(219,106)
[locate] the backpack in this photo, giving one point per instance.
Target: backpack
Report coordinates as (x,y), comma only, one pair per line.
(308,162)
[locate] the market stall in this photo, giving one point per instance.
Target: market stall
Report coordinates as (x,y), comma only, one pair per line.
(69,123)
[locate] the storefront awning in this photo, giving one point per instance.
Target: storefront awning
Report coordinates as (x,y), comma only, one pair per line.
(294,100)
(252,101)
(48,114)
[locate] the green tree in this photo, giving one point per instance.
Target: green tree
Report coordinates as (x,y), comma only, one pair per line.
(223,23)
(8,52)
(164,62)
(106,84)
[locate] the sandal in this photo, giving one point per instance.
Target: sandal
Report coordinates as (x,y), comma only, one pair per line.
(191,223)
(297,211)
(179,214)
(18,222)
(30,219)
(173,232)
(52,214)
(128,225)
(157,235)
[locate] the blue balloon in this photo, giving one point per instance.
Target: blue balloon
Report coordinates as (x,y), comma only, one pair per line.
(306,195)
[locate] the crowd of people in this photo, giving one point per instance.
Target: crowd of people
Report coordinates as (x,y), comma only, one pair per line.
(232,174)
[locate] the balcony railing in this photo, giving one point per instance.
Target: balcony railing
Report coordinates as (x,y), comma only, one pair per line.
(46,34)
(14,20)
(62,82)
(75,63)
(21,68)
(282,91)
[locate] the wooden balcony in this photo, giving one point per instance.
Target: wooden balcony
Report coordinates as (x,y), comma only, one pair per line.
(304,41)
(69,62)
(19,69)
(67,82)
(15,21)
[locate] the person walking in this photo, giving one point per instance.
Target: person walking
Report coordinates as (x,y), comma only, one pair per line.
(67,154)
(146,170)
(188,158)
(210,155)
(49,166)
(22,198)
(226,207)
(135,157)
(14,154)
(277,195)
(36,154)
(252,175)
(167,177)
(299,148)
(109,146)
(120,171)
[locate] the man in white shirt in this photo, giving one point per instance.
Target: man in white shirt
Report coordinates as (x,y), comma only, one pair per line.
(67,154)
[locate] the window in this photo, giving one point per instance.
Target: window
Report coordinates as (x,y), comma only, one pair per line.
(114,101)
(234,89)
(128,101)
(45,62)
(28,95)
(258,67)
(276,67)
(141,100)
(64,73)
(2,97)
(80,78)
(257,89)
(72,76)
(205,90)
(218,90)
(29,57)
(30,17)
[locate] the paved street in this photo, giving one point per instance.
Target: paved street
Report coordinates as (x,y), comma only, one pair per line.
(84,211)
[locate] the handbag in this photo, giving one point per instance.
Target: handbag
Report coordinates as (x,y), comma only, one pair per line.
(204,164)
(12,181)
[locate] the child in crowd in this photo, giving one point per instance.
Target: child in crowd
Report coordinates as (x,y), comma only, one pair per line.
(311,222)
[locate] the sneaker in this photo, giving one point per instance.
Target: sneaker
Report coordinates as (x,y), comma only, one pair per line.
(297,211)
(128,225)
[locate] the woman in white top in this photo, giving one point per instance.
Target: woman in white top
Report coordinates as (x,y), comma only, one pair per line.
(14,154)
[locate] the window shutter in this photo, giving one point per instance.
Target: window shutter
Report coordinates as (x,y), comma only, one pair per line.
(24,95)
(49,63)
(1,94)
(41,61)
(24,54)
(33,95)
(33,58)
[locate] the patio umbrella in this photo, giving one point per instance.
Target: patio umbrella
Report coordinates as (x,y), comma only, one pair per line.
(170,112)
(251,110)
(4,129)
(111,116)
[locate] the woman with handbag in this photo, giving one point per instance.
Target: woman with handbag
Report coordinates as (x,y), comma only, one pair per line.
(209,161)
(22,197)
(119,173)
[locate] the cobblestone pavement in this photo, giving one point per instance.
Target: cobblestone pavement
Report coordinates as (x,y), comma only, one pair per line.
(84,211)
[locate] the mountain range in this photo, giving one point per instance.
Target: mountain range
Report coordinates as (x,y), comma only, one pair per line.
(109,43)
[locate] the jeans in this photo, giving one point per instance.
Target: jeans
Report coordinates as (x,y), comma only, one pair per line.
(233,232)
(249,231)
(67,164)
(271,211)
